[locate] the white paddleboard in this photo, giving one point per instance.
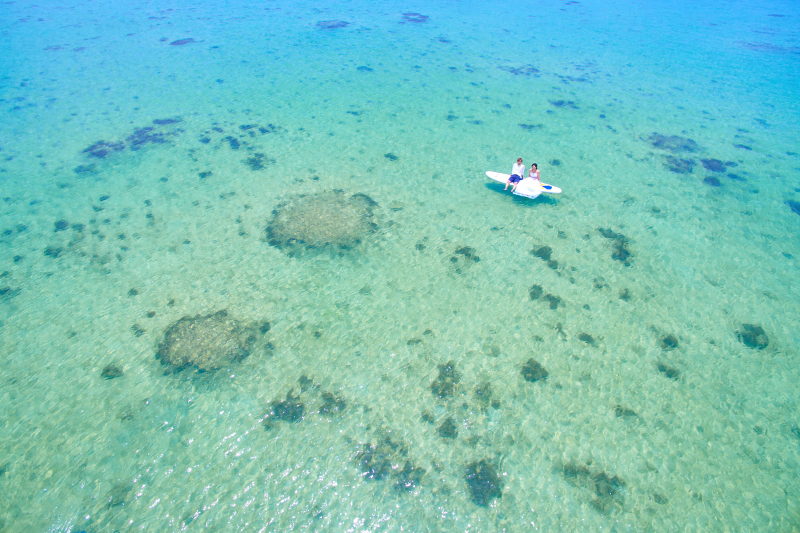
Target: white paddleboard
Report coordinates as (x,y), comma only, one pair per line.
(528,187)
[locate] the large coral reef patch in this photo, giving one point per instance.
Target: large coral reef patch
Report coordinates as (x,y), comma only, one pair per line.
(209,342)
(328,220)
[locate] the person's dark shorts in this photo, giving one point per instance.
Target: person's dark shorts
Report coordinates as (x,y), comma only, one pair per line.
(514,179)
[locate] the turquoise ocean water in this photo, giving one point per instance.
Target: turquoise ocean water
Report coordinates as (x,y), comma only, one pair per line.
(404,346)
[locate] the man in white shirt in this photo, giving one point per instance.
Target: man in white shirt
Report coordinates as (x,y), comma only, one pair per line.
(517,171)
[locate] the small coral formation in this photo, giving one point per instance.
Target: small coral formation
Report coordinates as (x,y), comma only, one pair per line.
(331,404)
(259,161)
(416,18)
(563,103)
(448,429)
(678,165)
(621,252)
(624,412)
(604,490)
(588,339)
(668,342)
(289,410)
(712,181)
(535,292)
(753,336)
(553,300)
(100,149)
(330,220)
(144,136)
(715,165)
(673,143)
(407,478)
(483,394)
(543,253)
(484,483)
(111,371)
(208,342)
(332,24)
(668,371)
(137,140)
(118,494)
(532,371)
(463,257)
(445,383)
(523,70)
(376,463)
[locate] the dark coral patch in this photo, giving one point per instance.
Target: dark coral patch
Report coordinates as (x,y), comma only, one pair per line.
(408,477)
(53,251)
(532,371)
(536,292)
(753,336)
(332,404)
(678,165)
(448,429)
(259,161)
(525,70)
(714,165)
(673,143)
(289,410)
(332,24)
(624,412)
(604,489)
(620,249)
(712,181)
(468,253)
(166,121)
(445,383)
(795,206)
(564,103)
(543,252)
(464,256)
(553,300)
(588,339)
(416,18)
(483,394)
(143,136)
(530,127)
(484,483)
(668,371)
(181,42)
(111,371)
(61,225)
(669,342)
(374,462)
(100,149)
(391,157)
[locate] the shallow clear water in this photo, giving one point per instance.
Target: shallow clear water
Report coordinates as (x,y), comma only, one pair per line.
(665,315)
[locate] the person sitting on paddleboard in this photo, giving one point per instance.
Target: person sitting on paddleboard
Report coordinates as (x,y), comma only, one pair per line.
(534,172)
(517,171)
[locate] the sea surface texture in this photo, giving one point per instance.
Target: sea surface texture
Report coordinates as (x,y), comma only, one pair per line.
(253,276)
